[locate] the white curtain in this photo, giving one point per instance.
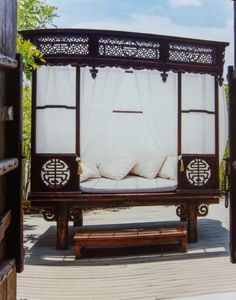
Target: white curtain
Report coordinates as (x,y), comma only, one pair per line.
(106,134)
(55,127)
(160,108)
(97,98)
(56,85)
(198,129)
(126,113)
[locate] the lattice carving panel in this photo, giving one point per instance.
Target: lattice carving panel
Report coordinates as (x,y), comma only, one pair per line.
(192,54)
(70,45)
(198,172)
(55,173)
(129,48)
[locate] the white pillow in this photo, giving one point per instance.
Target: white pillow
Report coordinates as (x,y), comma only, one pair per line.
(89,170)
(169,168)
(116,169)
(148,165)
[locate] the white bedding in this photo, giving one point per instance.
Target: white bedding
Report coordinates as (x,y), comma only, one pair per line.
(130,184)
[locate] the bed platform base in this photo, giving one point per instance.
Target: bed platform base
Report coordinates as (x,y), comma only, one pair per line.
(129,235)
(189,206)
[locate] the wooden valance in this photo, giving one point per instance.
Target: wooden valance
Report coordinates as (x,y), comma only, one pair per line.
(100,48)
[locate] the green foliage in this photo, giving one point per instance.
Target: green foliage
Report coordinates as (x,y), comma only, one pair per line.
(27,138)
(32,14)
(226,155)
(31,56)
(35,14)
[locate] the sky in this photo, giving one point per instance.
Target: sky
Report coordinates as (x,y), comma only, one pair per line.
(204,19)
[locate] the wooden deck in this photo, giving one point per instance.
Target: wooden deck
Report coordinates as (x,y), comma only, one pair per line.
(144,273)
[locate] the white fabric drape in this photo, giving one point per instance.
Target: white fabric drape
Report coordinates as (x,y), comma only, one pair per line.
(97,100)
(106,134)
(198,129)
(160,108)
(55,130)
(56,85)
(55,127)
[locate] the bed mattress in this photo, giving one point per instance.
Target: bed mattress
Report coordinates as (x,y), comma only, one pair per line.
(130,184)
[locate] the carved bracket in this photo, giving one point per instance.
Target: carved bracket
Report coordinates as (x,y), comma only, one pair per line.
(202,210)
(181,211)
(49,214)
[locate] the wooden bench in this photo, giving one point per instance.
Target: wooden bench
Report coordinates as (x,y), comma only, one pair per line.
(129,235)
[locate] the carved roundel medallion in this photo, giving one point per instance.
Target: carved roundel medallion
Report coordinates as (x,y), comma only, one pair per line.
(55,173)
(198,172)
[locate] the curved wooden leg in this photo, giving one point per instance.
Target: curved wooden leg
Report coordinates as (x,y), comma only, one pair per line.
(62,226)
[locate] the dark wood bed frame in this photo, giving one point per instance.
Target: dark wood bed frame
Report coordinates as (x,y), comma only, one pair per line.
(99,48)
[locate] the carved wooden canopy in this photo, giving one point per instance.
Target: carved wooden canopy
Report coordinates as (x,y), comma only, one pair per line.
(99,48)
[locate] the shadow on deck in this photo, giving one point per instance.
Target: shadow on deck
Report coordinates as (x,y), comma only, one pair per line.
(213,242)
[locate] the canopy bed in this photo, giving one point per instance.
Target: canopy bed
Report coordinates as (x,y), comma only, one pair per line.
(126,119)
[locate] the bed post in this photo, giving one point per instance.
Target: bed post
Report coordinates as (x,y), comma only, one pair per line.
(77,213)
(217,154)
(182,215)
(192,211)
(62,226)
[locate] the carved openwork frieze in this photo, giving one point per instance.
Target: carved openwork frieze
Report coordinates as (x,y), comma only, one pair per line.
(100,48)
(180,52)
(58,44)
(198,172)
(55,173)
(130,48)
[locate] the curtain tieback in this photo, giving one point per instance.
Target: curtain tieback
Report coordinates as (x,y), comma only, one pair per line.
(181,164)
(79,170)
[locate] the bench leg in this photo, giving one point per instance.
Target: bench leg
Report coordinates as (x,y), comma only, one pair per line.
(183,245)
(192,223)
(62,226)
(78,249)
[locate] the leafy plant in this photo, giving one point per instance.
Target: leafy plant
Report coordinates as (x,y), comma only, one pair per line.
(27,138)
(32,14)
(226,155)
